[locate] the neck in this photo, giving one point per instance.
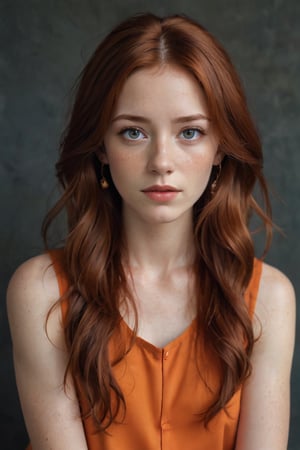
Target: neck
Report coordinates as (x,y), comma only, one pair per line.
(161,247)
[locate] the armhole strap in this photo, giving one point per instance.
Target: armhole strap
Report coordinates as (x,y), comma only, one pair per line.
(252,289)
(56,257)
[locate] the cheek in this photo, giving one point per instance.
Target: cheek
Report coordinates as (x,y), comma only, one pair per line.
(198,174)
(200,165)
(122,166)
(201,157)
(117,155)
(124,163)
(123,169)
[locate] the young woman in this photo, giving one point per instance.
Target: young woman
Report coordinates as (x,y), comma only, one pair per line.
(155,327)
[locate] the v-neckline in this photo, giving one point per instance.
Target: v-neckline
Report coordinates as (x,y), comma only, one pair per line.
(153,348)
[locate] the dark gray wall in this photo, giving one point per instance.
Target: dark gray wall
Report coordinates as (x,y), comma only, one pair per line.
(44,44)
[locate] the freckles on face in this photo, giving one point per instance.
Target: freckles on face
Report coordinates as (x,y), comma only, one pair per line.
(161,134)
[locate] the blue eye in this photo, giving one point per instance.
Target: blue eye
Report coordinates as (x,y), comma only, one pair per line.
(191,134)
(132,134)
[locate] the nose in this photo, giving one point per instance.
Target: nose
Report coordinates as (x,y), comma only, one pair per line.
(161,157)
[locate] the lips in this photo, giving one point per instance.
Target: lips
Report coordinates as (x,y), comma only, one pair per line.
(159,193)
(161,188)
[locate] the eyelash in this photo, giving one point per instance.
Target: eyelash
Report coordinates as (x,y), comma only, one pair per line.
(123,130)
(199,130)
(126,129)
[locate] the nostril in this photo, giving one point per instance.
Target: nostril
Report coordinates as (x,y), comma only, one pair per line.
(161,171)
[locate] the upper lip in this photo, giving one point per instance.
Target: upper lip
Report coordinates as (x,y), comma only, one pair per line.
(160,188)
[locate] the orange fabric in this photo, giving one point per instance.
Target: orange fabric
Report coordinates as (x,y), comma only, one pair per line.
(164,392)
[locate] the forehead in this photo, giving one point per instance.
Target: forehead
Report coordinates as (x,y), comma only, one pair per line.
(168,88)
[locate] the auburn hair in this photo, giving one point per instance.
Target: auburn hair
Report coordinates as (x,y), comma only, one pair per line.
(94,248)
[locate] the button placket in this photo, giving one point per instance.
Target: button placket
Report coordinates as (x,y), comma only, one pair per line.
(165,424)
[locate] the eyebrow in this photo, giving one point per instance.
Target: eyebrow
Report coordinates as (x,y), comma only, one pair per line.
(142,119)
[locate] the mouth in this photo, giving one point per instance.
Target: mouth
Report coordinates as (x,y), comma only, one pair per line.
(161,188)
(161,193)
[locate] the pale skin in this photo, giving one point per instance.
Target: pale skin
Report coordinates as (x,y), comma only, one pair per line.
(160,148)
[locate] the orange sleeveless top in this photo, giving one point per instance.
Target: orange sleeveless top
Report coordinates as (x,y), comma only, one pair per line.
(164,392)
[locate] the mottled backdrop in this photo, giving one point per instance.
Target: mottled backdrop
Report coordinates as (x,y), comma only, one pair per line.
(44,45)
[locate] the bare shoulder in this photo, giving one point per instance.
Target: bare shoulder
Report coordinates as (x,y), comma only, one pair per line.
(264,415)
(34,276)
(276,292)
(276,311)
(41,358)
(31,292)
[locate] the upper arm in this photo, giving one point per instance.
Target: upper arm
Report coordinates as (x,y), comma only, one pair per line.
(264,419)
(51,414)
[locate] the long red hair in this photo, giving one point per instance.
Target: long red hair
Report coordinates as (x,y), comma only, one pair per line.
(94,247)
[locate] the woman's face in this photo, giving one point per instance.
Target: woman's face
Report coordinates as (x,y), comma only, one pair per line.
(160,145)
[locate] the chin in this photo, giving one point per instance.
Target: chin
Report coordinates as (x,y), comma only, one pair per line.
(165,218)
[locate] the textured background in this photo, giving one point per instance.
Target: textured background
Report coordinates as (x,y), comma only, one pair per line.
(44,45)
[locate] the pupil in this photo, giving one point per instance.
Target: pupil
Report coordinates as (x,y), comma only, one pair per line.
(189,133)
(134,133)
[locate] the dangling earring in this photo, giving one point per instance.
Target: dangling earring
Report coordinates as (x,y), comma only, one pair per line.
(214,184)
(103,181)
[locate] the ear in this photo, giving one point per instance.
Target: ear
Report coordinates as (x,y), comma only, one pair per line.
(218,157)
(101,154)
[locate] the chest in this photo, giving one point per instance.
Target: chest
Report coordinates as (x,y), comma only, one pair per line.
(165,308)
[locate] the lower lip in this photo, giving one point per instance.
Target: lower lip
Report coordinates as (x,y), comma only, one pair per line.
(161,196)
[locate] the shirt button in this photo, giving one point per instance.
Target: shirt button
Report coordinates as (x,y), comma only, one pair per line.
(166,355)
(165,426)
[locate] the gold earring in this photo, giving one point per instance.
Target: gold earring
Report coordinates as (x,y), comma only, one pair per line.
(214,184)
(103,181)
